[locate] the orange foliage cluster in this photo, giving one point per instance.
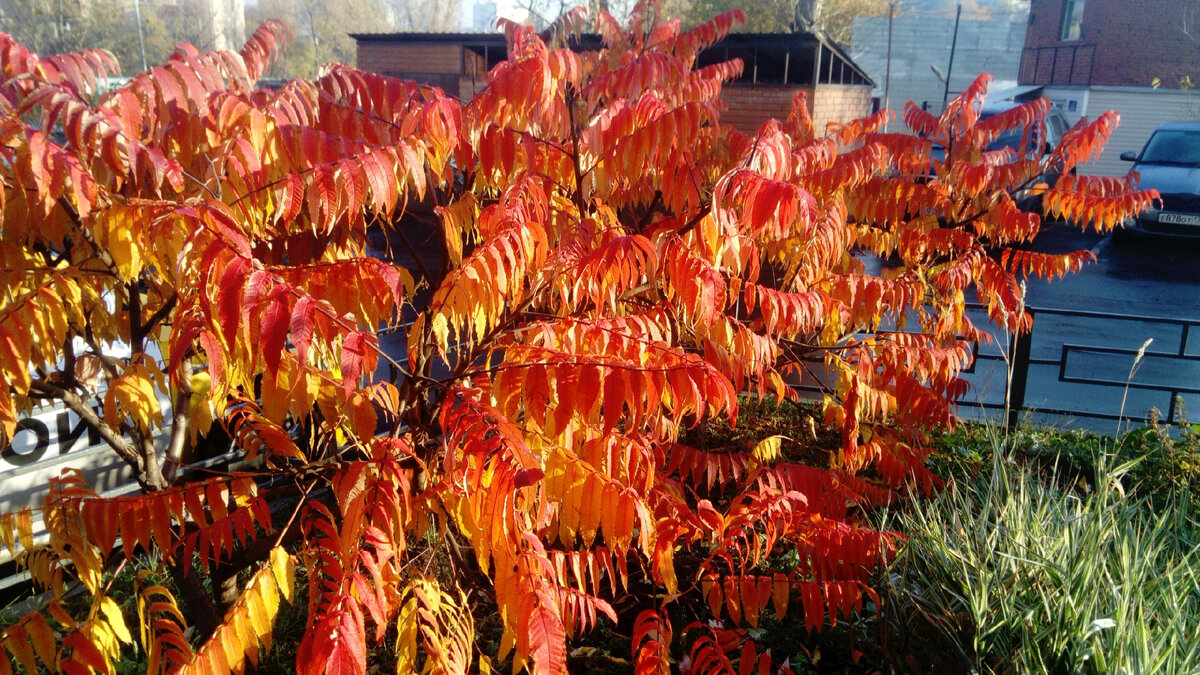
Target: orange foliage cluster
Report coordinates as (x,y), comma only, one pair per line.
(618,267)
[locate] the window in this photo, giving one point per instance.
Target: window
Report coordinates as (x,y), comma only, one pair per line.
(1180,147)
(1072,19)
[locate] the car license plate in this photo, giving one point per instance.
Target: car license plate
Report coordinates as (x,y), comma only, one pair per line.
(1179,218)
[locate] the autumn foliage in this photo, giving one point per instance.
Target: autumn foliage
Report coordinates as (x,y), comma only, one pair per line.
(617,267)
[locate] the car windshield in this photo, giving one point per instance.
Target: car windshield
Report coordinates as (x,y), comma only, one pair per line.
(1173,147)
(1010,140)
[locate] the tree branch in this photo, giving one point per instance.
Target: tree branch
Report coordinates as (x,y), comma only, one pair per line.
(179,425)
(79,406)
(159,314)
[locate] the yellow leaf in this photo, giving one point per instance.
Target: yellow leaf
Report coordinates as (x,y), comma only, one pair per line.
(25,528)
(60,615)
(441,331)
(42,637)
(117,237)
(258,130)
(116,621)
(6,530)
(200,384)
(767,450)
(15,640)
(8,413)
(281,566)
(406,638)
(259,618)
(133,394)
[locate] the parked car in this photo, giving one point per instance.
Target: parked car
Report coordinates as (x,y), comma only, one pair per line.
(1169,163)
(1056,126)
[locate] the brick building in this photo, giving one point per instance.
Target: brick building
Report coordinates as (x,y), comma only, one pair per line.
(1141,59)
(777,67)
(1111,43)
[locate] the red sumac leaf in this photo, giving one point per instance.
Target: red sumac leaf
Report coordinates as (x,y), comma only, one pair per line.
(359,354)
(303,316)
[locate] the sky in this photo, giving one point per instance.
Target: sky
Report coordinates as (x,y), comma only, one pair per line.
(504,8)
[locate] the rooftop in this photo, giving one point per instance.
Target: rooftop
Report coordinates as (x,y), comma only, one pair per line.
(769,57)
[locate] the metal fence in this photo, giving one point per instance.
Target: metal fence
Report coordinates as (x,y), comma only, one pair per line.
(1093,365)
(1085,368)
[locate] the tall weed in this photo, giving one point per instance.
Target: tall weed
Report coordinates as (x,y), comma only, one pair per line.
(1023,575)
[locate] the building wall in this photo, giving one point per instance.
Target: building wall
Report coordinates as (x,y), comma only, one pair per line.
(468,87)
(749,105)
(437,64)
(411,59)
(1122,43)
(483,16)
(839,103)
(920,41)
(462,73)
(1141,109)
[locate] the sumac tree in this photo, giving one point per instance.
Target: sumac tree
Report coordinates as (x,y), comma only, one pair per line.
(617,267)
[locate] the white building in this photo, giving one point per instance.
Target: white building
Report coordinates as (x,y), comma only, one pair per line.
(920,53)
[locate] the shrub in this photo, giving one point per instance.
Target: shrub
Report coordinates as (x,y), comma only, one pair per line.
(1018,572)
(617,266)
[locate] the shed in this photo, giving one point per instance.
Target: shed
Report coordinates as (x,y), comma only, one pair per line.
(777,67)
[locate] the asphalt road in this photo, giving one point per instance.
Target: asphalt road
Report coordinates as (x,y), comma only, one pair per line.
(1142,279)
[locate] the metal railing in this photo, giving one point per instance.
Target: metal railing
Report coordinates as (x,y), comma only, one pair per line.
(1069,64)
(1019,357)
(1061,361)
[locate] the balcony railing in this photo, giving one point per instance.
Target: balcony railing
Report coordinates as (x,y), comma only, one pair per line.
(1058,64)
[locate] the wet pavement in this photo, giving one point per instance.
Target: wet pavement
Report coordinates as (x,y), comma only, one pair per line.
(1136,291)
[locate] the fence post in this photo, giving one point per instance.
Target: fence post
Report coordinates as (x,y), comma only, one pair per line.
(1183,345)
(1019,358)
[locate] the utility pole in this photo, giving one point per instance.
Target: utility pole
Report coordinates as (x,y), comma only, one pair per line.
(887,78)
(950,66)
(137,13)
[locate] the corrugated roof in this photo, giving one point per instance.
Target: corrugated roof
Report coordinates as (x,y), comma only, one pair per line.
(418,37)
(594,41)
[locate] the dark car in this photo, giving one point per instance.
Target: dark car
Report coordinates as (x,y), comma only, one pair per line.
(1170,163)
(1056,126)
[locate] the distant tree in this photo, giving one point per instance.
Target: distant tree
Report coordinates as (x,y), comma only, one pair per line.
(1186,72)
(766,16)
(837,17)
(51,27)
(422,15)
(543,13)
(321,31)
(198,22)
(834,17)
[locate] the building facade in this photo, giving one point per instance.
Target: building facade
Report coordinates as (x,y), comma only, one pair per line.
(1141,59)
(483,16)
(1112,43)
(921,48)
(776,67)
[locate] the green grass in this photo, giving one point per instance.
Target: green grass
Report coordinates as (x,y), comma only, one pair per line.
(1161,459)
(1049,556)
